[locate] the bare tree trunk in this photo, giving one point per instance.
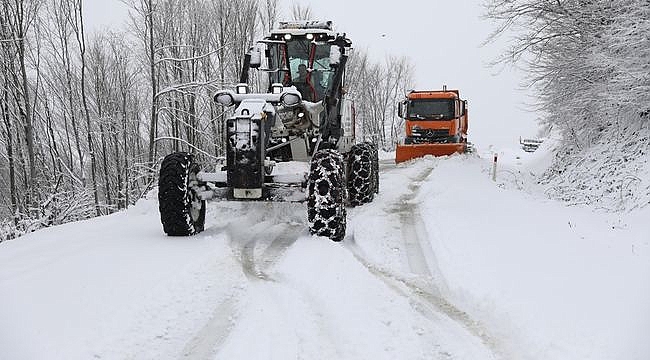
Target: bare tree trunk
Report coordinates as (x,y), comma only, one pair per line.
(107,182)
(52,140)
(102,96)
(222,72)
(127,187)
(153,124)
(61,19)
(10,153)
(270,15)
(25,108)
(82,48)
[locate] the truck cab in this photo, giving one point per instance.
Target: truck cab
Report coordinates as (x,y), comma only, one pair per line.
(436,124)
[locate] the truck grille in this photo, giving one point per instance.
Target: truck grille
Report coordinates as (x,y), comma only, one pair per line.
(430,133)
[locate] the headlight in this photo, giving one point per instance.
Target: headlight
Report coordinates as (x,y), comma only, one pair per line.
(290,99)
(224,98)
(276,88)
(242,88)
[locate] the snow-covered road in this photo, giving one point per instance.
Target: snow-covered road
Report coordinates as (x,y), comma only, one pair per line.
(444,264)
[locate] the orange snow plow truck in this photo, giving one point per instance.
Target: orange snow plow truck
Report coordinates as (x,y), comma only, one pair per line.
(436,124)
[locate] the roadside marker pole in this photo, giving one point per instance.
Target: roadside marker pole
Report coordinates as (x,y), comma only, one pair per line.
(494,168)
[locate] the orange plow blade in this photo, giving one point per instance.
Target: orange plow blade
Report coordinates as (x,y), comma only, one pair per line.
(409,152)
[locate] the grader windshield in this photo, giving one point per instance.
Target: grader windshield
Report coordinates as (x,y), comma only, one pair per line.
(302,62)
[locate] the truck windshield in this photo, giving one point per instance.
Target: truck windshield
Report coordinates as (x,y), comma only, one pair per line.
(431,109)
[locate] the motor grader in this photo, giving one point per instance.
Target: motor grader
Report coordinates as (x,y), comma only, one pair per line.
(303,116)
(436,124)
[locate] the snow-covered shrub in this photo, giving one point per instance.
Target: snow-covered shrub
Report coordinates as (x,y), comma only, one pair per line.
(612,174)
(56,209)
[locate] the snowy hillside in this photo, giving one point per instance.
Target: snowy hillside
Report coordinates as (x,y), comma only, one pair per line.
(613,174)
(444,264)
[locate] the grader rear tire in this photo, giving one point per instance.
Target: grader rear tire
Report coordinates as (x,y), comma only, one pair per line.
(361,175)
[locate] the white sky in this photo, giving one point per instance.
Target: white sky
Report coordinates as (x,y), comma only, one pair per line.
(442,38)
(104,13)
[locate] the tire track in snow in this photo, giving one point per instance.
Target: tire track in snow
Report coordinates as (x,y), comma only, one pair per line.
(259,240)
(425,291)
(205,344)
(264,234)
(422,261)
(413,230)
(429,303)
(255,267)
(252,226)
(260,232)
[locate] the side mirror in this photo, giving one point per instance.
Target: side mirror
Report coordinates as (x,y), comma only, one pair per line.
(400,109)
(463,107)
(335,55)
(256,57)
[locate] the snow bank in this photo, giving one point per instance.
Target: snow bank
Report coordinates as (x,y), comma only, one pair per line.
(110,287)
(612,174)
(559,282)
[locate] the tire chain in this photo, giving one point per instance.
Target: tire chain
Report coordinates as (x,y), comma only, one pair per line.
(375,166)
(326,211)
(361,178)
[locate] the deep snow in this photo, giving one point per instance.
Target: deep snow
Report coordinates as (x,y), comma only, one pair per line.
(444,264)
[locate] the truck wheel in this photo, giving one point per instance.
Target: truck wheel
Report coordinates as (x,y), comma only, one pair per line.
(326,195)
(361,181)
(182,213)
